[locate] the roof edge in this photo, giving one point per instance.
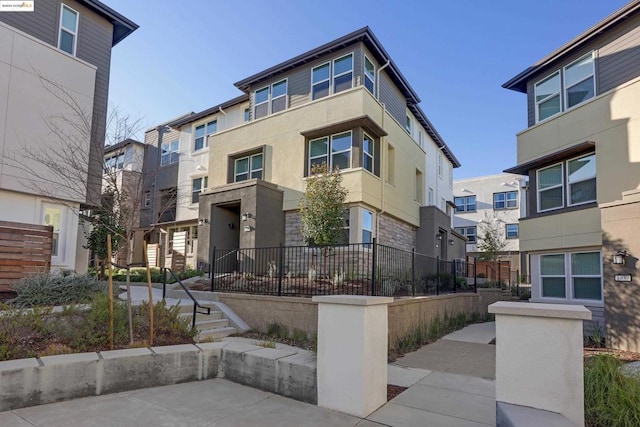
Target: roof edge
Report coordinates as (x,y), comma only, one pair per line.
(433,133)
(123,26)
(190,118)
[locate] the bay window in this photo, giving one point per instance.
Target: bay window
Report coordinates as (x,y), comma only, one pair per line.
(334,151)
(550,188)
(581,179)
(579,183)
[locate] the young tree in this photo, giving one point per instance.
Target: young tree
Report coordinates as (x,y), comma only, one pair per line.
(321,208)
(491,239)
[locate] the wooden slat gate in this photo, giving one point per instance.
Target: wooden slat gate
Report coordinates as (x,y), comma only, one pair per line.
(24,249)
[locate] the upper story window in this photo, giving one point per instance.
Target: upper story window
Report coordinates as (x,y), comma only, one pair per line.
(505,200)
(147,199)
(578,81)
(270,99)
(341,79)
(579,183)
(511,231)
(334,151)
(248,167)
(440,164)
(369,75)
(202,134)
(198,185)
(114,163)
(407,124)
(465,204)
(67,39)
(367,153)
(169,152)
(247,114)
(430,199)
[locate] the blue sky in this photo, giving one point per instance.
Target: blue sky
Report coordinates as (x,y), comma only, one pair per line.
(456,54)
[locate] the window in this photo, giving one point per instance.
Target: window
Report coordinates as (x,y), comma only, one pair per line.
(579,81)
(407,124)
(581,179)
(278,96)
(420,139)
(369,75)
(367,153)
(419,196)
(440,164)
(261,103)
(505,200)
(580,183)
(550,188)
(391,164)
(68,30)
(249,167)
(202,134)
(450,172)
(547,94)
(465,204)
(346,226)
(52,215)
(169,152)
(430,196)
(511,231)
(191,233)
(443,204)
(247,114)
(114,163)
(198,185)
(367,226)
(334,151)
(320,78)
(342,73)
(468,232)
(574,276)
(147,199)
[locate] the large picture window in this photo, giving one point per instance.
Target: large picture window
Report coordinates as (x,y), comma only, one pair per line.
(572,276)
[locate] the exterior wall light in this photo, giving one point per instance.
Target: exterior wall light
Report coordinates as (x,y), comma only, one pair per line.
(246,216)
(203,221)
(451,242)
(620,257)
(248,228)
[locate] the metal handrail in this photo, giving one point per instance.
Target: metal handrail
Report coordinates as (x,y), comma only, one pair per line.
(196,304)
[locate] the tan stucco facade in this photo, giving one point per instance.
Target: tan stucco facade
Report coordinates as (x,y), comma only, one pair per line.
(283,137)
(565,230)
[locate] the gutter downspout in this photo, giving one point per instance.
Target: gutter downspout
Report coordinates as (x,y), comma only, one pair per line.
(384,110)
(225,117)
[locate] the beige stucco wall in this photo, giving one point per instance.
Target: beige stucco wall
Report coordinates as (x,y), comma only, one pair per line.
(284,160)
(611,121)
(565,230)
(34,77)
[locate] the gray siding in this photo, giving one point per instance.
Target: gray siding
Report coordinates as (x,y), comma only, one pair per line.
(392,98)
(42,23)
(617,61)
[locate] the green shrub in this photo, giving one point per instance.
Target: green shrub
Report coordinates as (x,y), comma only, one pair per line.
(62,288)
(610,398)
(277,330)
(168,326)
(22,332)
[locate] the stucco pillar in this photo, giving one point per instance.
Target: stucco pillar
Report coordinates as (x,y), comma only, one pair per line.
(352,353)
(539,357)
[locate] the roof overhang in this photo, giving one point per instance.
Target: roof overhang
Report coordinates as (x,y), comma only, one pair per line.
(364,122)
(433,133)
(519,82)
(122,26)
(524,168)
(190,118)
(364,35)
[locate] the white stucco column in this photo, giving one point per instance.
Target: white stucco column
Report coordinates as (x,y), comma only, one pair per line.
(352,353)
(539,356)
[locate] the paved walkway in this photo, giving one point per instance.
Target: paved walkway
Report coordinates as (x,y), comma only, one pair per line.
(450,384)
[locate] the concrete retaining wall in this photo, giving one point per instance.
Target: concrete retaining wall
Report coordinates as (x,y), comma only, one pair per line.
(30,382)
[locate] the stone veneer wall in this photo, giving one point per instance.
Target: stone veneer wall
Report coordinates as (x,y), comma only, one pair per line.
(292,229)
(393,232)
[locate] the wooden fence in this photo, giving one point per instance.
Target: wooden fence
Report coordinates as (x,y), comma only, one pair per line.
(24,249)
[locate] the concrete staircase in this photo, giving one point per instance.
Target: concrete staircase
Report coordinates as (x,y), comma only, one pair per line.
(213,326)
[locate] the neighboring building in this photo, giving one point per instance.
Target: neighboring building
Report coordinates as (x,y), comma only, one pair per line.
(582,155)
(123,163)
(494,198)
(51,58)
(344,103)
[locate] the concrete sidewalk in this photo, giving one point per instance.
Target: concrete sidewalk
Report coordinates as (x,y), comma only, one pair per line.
(450,384)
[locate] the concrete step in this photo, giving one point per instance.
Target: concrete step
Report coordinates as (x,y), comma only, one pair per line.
(216,333)
(211,324)
(186,306)
(200,316)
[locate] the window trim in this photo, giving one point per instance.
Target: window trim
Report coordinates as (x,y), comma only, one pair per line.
(568,279)
(537,103)
(285,95)
(568,196)
(335,76)
(506,200)
(365,154)
(366,76)
(465,203)
(463,231)
(256,104)
(506,231)
(205,141)
(177,152)
(74,34)
(564,79)
(328,79)
(250,171)
(329,154)
(561,185)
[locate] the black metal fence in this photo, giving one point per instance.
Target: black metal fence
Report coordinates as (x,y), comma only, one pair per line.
(355,269)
